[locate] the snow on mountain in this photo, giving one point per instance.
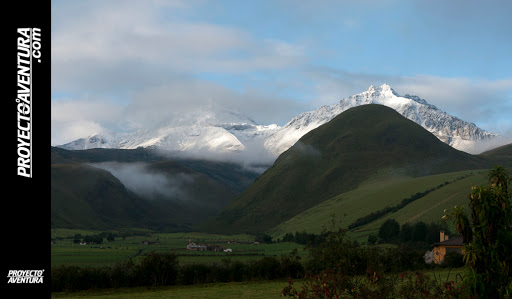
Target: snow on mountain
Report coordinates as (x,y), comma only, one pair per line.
(449,129)
(221,131)
(203,131)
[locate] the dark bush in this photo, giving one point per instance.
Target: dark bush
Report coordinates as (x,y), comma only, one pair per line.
(372,239)
(291,266)
(158,269)
(389,230)
(123,274)
(194,274)
(266,268)
(453,260)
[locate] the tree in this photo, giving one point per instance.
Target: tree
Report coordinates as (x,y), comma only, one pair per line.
(288,237)
(406,232)
(264,238)
(110,237)
(95,238)
(419,232)
(389,230)
(488,252)
(372,239)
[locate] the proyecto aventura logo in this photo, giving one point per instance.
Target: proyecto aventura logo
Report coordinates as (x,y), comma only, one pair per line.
(25,276)
(29,46)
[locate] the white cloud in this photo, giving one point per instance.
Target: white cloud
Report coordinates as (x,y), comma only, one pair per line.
(180,100)
(72,119)
(64,132)
(104,47)
(147,56)
(183,97)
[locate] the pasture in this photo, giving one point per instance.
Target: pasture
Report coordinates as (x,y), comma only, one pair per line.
(379,193)
(65,252)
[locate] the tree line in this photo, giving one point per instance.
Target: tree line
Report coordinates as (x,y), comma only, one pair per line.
(163,269)
(392,209)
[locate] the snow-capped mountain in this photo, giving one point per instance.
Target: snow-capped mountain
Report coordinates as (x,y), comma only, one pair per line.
(220,131)
(449,129)
(204,131)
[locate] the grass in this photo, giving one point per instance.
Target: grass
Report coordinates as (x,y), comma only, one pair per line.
(249,289)
(256,290)
(381,192)
(65,252)
(429,208)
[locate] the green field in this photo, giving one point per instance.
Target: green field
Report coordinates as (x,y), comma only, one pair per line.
(250,289)
(256,290)
(379,193)
(65,252)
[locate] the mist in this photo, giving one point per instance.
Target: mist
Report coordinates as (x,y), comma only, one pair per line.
(488,145)
(146,183)
(307,150)
(254,158)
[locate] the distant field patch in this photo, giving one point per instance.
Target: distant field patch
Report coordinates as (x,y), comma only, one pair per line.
(66,252)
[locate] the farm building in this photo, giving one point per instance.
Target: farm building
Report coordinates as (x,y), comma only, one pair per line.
(444,246)
(196,246)
(203,247)
(146,242)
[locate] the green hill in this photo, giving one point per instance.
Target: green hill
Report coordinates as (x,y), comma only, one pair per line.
(501,155)
(383,192)
(359,144)
(86,197)
(110,188)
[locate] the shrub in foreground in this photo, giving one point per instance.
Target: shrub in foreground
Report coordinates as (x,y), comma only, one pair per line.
(331,284)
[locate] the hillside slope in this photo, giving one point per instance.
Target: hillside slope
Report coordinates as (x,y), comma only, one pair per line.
(337,157)
(111,188)
(448,189)
(87,197)
(501,155)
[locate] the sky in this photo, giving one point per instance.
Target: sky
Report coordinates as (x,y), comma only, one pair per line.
(126,65)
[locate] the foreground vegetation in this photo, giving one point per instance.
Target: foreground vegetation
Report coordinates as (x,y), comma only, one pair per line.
(336,266)
(252,289)
(244,289)
(487,236)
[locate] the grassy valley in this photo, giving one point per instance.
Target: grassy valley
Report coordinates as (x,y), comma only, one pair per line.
(131,245)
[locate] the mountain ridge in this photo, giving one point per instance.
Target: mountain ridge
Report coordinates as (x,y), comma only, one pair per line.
(210,131)
(449,129)
(335,158)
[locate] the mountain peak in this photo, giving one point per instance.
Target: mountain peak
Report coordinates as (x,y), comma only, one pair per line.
(384,89)
(336,158)
(449,129)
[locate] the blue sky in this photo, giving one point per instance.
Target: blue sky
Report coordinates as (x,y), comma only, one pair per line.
(122,65)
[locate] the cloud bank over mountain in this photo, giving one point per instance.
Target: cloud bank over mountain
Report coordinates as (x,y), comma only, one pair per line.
(124,65)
